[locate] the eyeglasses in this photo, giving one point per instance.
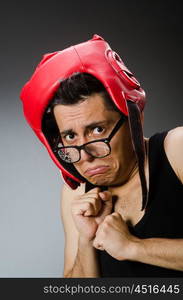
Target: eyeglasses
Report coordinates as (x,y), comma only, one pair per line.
(97,148)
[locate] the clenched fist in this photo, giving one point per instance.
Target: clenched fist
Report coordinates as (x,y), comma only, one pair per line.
(89,210)
(114,237)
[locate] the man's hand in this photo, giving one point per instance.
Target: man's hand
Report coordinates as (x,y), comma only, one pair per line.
(89,210)
(114,237)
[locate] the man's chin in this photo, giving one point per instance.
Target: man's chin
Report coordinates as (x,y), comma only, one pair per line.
(104,181)
(99,181)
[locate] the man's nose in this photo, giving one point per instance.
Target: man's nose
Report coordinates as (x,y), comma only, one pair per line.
(86,156)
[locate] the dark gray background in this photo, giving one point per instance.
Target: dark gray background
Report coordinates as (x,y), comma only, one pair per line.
(149,38)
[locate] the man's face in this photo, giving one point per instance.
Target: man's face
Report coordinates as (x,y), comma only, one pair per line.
(91,120)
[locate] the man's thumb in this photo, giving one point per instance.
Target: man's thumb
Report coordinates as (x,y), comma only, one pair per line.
(105,195)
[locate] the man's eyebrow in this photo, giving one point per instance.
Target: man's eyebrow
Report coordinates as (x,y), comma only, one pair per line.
(89,126)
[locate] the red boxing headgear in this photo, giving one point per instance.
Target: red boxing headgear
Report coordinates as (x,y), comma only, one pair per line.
(94,57)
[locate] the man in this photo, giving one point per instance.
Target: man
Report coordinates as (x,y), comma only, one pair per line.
(122,216)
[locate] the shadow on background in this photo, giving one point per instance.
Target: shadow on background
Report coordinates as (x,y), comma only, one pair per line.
(148,36)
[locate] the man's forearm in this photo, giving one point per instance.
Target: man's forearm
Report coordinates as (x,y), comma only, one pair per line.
(86,263)
(167,253)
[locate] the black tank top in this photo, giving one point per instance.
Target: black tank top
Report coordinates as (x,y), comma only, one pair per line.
(162,219)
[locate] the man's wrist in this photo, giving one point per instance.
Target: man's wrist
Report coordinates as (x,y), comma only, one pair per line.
(132,250)
(84,242)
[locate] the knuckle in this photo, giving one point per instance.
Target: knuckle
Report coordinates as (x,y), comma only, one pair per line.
(95,199)
(115,214)
(105,224)
(88,205)
(108,218)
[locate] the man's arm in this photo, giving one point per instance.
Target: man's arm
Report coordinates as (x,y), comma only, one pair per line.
(173,145)
(79,255)
(85,264)
(166,253)
(113,236)
(162,252)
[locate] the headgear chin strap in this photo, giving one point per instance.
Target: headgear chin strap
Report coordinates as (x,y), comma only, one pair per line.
(94,57)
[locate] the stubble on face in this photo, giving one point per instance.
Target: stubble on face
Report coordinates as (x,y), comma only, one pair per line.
(77,117)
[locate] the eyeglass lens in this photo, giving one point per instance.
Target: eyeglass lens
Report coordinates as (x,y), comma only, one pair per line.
(96,149)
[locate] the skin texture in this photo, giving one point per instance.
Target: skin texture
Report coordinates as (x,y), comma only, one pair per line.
(93,220)
(122,159)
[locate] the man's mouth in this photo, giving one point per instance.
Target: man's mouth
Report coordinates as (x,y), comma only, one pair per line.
(96,170)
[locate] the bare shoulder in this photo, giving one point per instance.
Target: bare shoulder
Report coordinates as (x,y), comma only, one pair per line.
(67,191)
(173,145)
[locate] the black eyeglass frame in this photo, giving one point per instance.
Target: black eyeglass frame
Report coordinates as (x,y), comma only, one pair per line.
(104,140)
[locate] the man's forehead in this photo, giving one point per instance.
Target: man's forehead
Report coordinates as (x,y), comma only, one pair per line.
(92,105)
(87,125)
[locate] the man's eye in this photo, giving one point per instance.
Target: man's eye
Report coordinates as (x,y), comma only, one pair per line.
(69,137)
(98,130)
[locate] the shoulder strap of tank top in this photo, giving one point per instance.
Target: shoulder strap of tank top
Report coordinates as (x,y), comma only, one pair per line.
(156,143)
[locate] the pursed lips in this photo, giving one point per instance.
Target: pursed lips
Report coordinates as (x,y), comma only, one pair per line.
(96,170)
